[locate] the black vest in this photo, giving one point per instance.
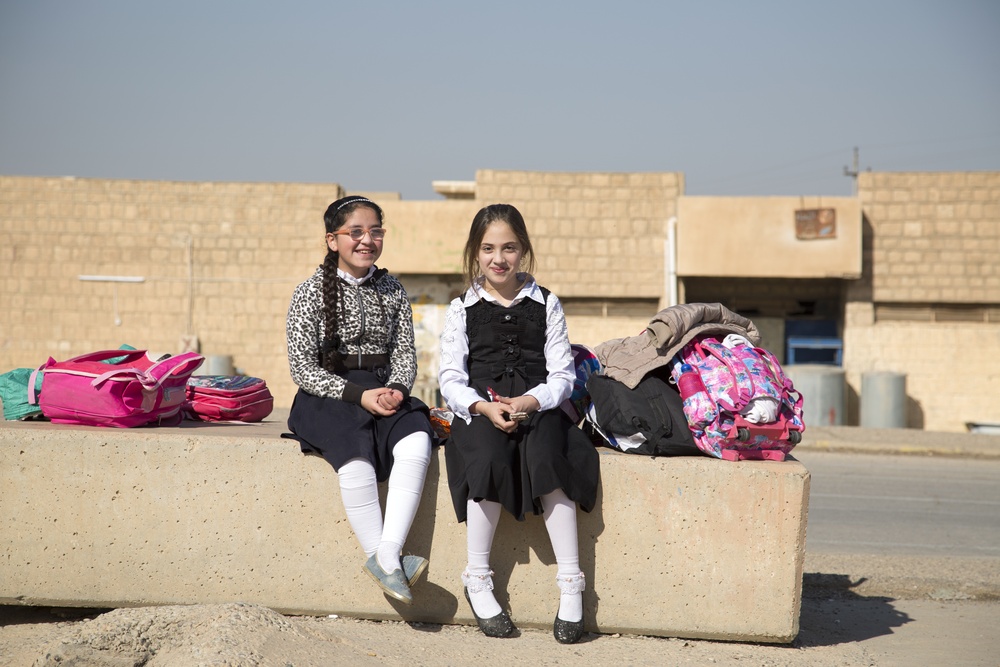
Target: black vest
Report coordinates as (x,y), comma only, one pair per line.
(507,343)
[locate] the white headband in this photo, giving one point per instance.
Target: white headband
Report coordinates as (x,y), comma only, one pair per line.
(355,201)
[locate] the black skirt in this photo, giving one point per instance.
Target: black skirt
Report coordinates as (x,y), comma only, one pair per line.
(340,431)
(547,452)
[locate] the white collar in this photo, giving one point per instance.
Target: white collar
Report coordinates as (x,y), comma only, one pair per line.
(355,281)
(529,290)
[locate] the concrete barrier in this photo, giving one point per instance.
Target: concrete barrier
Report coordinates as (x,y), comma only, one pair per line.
(92,517)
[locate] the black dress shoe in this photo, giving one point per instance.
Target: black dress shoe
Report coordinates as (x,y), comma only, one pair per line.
(499,626)
(567,632)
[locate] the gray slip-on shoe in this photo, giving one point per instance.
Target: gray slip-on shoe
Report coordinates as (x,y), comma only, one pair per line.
(413,568)
(392,583)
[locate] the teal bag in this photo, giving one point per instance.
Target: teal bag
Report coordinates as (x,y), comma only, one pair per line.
(14,394)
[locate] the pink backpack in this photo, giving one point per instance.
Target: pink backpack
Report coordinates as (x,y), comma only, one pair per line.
(133,391)
(239,398)
(737,401)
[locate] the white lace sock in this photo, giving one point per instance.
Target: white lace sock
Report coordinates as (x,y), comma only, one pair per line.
(560,523)
(406,484)
(359,491)
(481,523)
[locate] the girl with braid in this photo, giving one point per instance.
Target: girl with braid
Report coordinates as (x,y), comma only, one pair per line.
(506,366)
(351,353)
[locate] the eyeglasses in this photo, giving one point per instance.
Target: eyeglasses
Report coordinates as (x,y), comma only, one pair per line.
(357,233)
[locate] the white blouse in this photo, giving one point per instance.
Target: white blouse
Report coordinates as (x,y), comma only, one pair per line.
(453,373)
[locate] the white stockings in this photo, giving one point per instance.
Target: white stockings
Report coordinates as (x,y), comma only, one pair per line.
(560,522)
(359,490)
(481,524)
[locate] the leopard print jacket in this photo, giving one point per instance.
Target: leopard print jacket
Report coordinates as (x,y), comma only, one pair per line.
(363,330)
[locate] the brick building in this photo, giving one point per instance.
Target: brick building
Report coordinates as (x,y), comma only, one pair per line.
(908,280)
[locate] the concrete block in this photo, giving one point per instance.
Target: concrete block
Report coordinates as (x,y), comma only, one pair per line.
(200,514)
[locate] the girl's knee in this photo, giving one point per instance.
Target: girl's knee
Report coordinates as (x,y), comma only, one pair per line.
(416,446)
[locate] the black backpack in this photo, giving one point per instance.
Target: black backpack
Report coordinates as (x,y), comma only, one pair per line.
(653,409)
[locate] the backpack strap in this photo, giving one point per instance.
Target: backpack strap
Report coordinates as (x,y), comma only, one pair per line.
(32,396)
(720,352)
(786,382)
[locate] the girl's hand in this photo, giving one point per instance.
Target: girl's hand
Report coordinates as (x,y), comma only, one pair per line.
(497,412)
(372,400)
(526,404)
(391,400)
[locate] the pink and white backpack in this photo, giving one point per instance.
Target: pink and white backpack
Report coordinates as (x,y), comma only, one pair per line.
(737,401)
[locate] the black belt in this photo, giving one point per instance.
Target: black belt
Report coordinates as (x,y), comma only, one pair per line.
(365,362)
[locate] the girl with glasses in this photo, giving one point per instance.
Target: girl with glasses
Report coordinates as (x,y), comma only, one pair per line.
(506,366)
(352,355)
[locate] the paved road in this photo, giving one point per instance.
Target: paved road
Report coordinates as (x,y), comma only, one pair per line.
(902,505)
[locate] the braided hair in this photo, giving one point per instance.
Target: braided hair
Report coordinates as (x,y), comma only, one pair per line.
(334,218)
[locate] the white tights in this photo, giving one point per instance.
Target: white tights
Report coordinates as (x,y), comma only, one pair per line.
(559,513)
(359,490)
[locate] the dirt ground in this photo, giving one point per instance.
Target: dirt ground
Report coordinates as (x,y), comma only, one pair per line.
(872,611)
(835,632)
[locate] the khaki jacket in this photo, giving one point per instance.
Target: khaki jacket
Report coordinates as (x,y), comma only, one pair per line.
(628,360)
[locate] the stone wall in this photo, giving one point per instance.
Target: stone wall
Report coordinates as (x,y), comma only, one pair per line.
(218,263)
(936,236)
(595,234)
(929,302)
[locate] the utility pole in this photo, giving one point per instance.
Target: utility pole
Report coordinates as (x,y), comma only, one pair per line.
(853,173)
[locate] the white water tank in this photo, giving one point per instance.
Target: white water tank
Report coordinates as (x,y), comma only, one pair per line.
(883,400)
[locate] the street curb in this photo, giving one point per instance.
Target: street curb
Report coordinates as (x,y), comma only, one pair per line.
(853,439)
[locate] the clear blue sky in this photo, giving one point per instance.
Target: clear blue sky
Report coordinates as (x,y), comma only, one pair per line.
(745,98)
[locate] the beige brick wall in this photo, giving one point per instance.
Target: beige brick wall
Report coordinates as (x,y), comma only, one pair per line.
(595,234)
(931,248)
(936,236)
(952,369)
(219,260)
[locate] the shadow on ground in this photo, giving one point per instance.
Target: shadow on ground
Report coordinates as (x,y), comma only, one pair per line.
(832,613)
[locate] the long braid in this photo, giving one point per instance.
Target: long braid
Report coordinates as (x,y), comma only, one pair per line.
(330,352)
(376,279)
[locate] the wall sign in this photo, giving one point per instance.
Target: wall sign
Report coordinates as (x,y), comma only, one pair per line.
(815,223)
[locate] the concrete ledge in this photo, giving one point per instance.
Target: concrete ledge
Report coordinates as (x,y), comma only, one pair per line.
(199,514)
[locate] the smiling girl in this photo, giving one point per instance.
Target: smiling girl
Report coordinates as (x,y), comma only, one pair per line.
(506,365)
(351,353)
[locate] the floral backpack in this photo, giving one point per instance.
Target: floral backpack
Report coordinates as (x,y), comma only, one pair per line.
(737,401)
(585,363)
